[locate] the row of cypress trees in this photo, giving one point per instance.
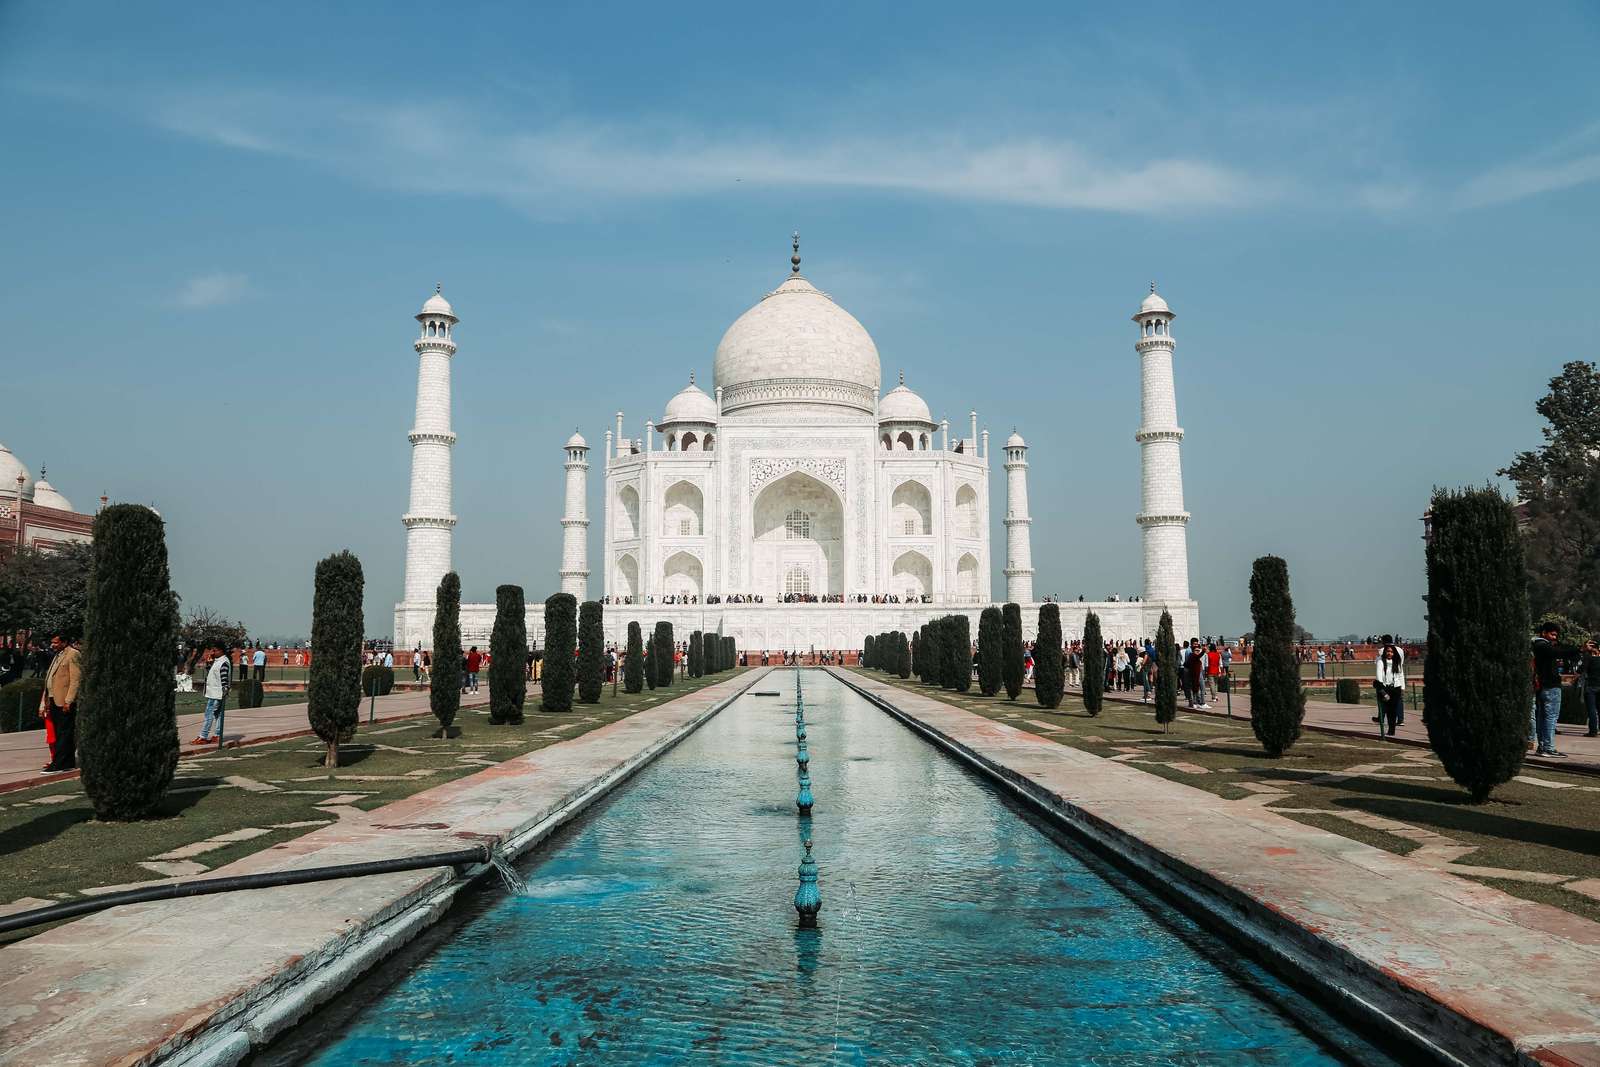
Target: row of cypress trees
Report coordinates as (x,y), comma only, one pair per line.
(889,652)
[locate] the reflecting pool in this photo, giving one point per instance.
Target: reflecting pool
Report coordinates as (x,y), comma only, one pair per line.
(955,928)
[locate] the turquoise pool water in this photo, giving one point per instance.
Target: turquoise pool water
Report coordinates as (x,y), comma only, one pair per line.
(955,929)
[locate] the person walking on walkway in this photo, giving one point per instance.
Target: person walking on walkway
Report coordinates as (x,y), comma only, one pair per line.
(219,679)
(1548,653)
(1389,686)
(1213,670)
(58,704)
(1194,676)
(474,663)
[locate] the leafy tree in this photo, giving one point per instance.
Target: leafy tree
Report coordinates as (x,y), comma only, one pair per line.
(127,725)
(1277,700)
(1094,665)
(1166,668)
(633,665)
(444,684)
(1049,679)
(1013,665)
(204,628)
(560,649)
(46,591)
(333,693)
(662,655)
(1560,486)
(1475,678)
(591,652)
(991,656)
(508,657)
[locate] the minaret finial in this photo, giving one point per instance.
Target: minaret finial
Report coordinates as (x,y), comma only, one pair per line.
(794,260)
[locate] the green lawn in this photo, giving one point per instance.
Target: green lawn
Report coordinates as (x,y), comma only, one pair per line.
(1548,823)
(54,847)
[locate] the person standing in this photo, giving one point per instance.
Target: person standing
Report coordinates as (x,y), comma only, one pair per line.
(1194,675)
(58,704)
(1590,674)
(416,664)
(1548,653)
(473,664)
(1322,663)
(1389,686)
(1213,670)
(219,679)
(259,661)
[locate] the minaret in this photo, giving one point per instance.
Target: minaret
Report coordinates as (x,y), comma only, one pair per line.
(428,521)
(575,520)
(1161,515)
(1019,539)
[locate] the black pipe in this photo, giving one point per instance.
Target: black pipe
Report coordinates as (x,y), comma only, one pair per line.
(206,886)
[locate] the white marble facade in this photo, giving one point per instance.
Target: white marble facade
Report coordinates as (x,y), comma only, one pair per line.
(797,475)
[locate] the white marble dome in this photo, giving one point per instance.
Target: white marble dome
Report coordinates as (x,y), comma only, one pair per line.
(1016,441)
(10,467)
(902,405)
(1153,303)
(797,346)
(437,304)
(691,405)
(45,495)
(576,441)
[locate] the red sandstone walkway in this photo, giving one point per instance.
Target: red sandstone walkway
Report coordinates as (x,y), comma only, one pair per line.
(22,754)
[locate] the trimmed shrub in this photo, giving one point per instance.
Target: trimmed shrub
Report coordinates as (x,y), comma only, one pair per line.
(650,661)
(1277,701)
(1347,691)
(916,653)
(444,684)
(1094,665)
(333,694)
(591,652)
(661,655)
(1013,665)
(731,652)
(633,664)
(19,705)
(1476,682)
(868,650)
(1166,668)
(508,658)
(374,674)
(126,718)
(991,637)
(560,653)
(905,654)
(932,654)
(249,693)
(1049,679)
(696,654)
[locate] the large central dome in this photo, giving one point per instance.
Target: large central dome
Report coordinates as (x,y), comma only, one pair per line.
(797,347)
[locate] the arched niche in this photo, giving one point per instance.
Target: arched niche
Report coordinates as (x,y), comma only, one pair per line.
(911,576)
(681,575)
(627,576)
(797,520)
(967,511)
(967,576)
(911,510)
(683,511)
(627,513)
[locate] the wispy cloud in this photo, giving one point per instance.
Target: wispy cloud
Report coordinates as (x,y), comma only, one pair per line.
(1572,161)
(210,290)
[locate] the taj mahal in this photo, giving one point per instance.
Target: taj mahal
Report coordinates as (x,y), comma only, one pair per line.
(797,505)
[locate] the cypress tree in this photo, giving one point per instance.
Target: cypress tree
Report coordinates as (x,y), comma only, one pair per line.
(733,652)
(932,655)
(333,692)
(633,665)
(1476,680)
(1094,664)
(1012,664)
(560,651)
(662,654)
(1277,701)
(696,651)
(444,682)
(591,652)
(905,655)
(508,656)
(650,660)
(990,654)
(866,652)
(916,652)
(1166,668)
(1049,680)
(962,626)
(127,725)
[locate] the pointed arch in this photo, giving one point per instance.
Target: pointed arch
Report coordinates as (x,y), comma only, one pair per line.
(911,576)
(627,576)
(911,510)
(683,511)
(966,511)
(681,575)
(627,513)
(967,576)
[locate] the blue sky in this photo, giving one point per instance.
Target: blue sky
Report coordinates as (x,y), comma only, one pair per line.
(1376,223)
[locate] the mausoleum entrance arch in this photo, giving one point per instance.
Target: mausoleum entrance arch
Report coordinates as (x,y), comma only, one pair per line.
(797,529)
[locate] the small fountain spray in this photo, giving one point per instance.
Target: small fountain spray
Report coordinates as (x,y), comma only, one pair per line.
(509,877)
(807,898)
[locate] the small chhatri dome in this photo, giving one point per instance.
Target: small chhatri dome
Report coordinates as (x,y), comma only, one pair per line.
(690,405)
(437,304)
(10,467)
(1015,440)
(576,441)
(797,346)
(1153,303)
(45,495)
(902,405)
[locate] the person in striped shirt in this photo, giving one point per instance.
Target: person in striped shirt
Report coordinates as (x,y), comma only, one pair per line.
(219,680)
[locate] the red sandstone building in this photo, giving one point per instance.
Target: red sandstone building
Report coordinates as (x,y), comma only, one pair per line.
(34,513)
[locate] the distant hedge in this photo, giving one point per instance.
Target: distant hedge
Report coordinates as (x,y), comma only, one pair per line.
(1347,691)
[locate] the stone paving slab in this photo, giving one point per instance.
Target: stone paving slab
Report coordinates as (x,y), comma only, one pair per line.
(140,983)
(1488,976)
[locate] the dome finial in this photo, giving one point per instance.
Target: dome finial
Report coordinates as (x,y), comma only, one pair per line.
(691,377)
(902,376)
(1152,287)
(794,260)
(438,287)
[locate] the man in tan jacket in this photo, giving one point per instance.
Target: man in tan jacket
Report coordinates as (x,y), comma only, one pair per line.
(59,703)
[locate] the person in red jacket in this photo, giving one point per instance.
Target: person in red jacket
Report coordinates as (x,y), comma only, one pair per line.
(474,664)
